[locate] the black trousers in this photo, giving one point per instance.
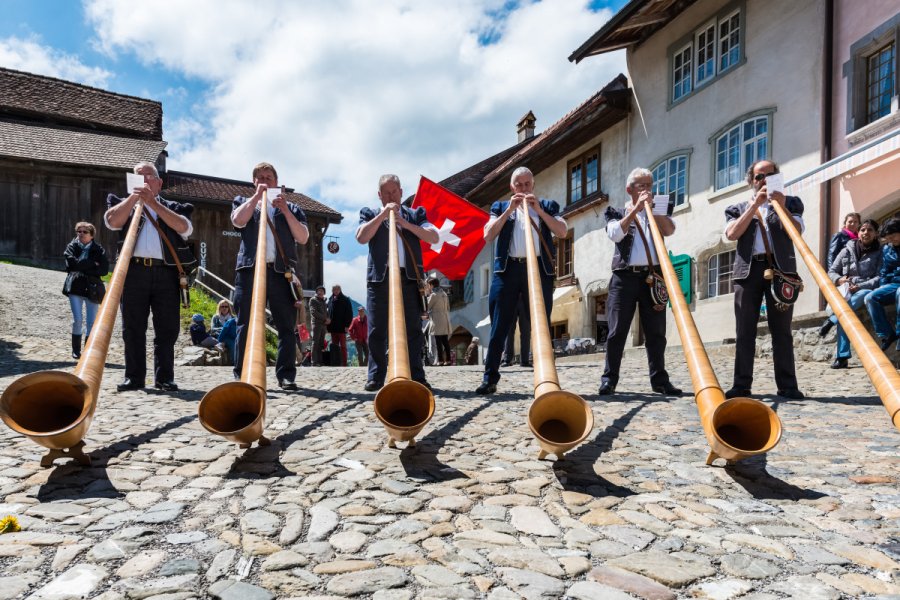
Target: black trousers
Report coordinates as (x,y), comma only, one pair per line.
(281,304)
(377,306)
(629,290)
(524,319)
(748,297)
(146,290)
(506,288)
(443,347)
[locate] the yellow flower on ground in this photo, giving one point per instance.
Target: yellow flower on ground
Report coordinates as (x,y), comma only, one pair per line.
(9,524)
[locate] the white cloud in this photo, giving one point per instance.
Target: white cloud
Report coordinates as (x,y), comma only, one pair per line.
(27,54)
(337,93)
(346,273)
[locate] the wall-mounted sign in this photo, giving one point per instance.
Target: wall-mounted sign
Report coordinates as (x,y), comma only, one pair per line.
(333,247)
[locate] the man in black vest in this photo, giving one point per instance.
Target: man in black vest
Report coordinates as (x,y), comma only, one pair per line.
(412,226)
(628,288)
(510,279)
(152,280)
(290,227)
(750,286)
(340,315)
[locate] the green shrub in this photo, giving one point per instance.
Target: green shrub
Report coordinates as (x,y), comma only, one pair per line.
(206,305)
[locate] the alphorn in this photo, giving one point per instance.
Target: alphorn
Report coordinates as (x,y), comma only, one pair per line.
(403,406)
(878,367)
(735,428)
(237,410)
(560,420)
(55,409)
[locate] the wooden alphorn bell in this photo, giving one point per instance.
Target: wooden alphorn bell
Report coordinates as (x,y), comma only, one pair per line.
(735,428)
(54,408)
(403,406)
(558,419)
(237,410)
(879,369)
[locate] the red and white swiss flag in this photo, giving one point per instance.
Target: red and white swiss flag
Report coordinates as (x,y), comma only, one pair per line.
(460,226)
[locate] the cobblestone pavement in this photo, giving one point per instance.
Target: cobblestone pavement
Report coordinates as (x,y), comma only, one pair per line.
(170,511)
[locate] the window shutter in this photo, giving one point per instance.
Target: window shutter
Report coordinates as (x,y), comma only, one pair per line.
(469,287)
(682,266)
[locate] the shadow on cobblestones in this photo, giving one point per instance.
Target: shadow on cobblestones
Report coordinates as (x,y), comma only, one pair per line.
(265,461)
(576,472)
(74,482)
(752,475)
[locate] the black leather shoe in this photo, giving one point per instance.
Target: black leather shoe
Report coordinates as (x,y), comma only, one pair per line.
(886,342)
(288,386)
(129,385)
(737,392)
(825,328)
(373,386)
(506,364)
(607,389)
(839,363)
(486,388)
(667,389)
(425,383)
(792,394)
(166,386)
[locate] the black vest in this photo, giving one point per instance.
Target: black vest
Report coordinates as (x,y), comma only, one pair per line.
(182,247)
(782,247)
(250,235)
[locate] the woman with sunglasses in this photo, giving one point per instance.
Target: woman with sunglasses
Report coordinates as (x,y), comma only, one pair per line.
(86,263)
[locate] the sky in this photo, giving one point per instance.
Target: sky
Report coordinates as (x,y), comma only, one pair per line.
(334,94)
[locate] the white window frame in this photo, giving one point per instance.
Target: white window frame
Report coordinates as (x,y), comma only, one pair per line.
(733,173)
(693,74)
(712,273)
(662,176)
(485,280)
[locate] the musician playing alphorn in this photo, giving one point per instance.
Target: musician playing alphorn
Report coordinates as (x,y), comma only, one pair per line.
(628,285)
(510,280)
(152,281)
(751,286)
(290,226)
(412,226)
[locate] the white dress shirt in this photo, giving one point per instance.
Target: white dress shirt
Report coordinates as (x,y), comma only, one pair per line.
(517,248)
(149,244)
(401,252)
(638,254)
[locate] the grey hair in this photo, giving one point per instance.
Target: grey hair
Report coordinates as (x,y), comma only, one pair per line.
(387,178)
(149,165)
(520,171)
(639,172)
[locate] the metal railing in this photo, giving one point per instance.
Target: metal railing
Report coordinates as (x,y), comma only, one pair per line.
(202,272)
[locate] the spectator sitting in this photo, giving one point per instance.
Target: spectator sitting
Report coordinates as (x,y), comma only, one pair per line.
(857,267)
(199,336)
(472,352)
(889,280)
(838,242)
(228,337)
(223,313)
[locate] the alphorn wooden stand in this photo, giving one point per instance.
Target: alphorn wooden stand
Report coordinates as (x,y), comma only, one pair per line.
(879,369)
(558,419)
(735,428)
(403,406)
(54,408)
(237,410)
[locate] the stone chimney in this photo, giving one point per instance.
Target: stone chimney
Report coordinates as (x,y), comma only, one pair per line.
(525,128)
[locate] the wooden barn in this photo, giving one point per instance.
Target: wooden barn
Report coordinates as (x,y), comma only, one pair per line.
(64,147)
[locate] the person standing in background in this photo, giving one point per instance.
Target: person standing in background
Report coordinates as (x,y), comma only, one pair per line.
(86,263)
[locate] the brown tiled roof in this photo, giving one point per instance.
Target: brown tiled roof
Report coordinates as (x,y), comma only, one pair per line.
(51,144)
(466,180)
(191,186)
(586,121)
(47,99)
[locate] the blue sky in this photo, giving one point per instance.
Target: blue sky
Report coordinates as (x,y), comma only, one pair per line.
(334,94)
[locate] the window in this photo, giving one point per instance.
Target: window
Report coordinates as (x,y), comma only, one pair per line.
(711,50)
(719,274)
(584,175)
(873,82)
(670,176)
(485,280)
(880,74)
(565,256)
(738,147)
(681,73)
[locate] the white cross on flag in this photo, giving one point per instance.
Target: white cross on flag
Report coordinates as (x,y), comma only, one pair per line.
(460,230)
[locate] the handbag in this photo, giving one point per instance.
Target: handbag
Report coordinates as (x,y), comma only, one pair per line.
(95,290)
(659,293)
(786,287)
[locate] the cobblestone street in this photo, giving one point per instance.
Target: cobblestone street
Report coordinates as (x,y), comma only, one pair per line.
(328,511)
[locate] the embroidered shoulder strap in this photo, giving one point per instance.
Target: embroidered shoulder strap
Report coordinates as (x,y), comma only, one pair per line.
(182,276)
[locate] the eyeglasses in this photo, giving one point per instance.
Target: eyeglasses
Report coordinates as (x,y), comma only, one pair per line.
(82,231)
(761,176)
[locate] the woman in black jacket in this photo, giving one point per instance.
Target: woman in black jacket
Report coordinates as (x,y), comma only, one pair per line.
(86,263)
